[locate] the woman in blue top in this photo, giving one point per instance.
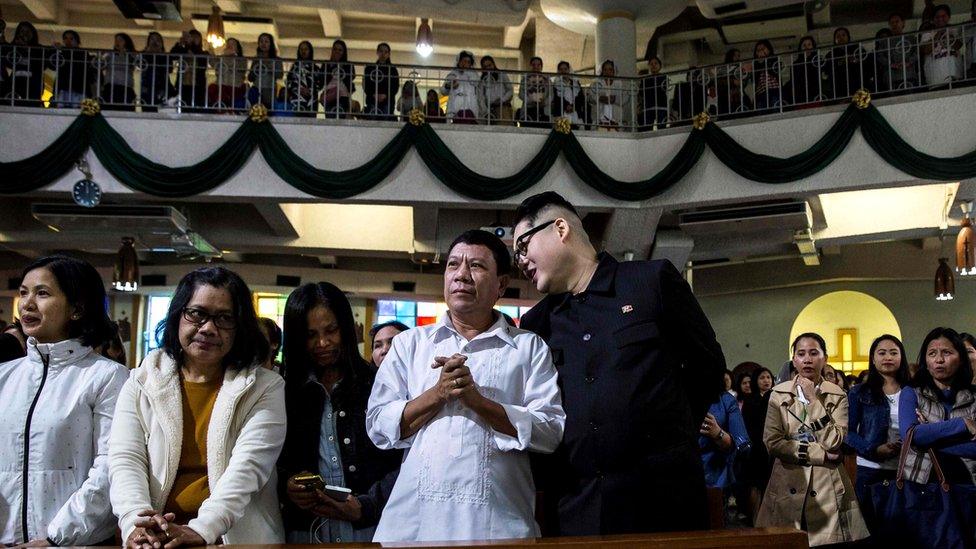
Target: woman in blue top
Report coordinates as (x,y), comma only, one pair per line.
(723,436)
(942,408)
(873,418)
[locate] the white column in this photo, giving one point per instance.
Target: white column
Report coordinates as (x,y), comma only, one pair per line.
(616,38)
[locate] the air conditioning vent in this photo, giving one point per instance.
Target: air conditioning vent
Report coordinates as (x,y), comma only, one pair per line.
(152,280)
(791,216)
(404,286)
(150,9)
(288,281)
(730,8)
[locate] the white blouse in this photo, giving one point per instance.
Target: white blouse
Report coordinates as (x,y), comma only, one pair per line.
(460,479)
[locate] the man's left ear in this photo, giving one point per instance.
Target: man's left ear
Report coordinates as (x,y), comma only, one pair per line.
(503,284)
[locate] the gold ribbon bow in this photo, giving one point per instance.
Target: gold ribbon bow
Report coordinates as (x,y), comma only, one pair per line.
(90,107)
(563,125)
(258,113)
(700,120)
(861,98)
(417,117)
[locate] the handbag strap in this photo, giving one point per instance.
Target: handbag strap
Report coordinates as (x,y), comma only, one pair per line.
(903,457)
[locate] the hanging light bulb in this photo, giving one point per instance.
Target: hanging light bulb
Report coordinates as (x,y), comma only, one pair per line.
(215,29)
(126,277)
(425,39)
(966,244)
(945,284)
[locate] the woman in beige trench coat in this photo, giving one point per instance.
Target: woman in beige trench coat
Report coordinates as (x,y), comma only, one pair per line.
(805,426)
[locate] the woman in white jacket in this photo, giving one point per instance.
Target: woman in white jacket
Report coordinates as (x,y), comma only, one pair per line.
(199,425)
(57,404)
(461,87)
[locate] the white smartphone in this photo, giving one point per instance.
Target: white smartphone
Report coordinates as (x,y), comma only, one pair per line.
(337,493)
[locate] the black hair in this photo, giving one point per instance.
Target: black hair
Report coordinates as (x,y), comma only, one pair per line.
(345,51)
(896,14)
(239,50)
(388,324)
(462,54)
(966,336)
(883,33)
(114,345)
(530,208)
(875,381)
(845,29)
(737,385)
(162,43)
(536,58)
(250,345)
(272,48)
(942,7)
(799,45)
(297,362)
(728,55)
(964,376)
(34,39)
(486,58)
(271,328)
(764,42)
(128,45)
(754,379)
(72,33)
(311,51)
(814,336)
(608,62)
(478,237)
(561,63)
(84,289)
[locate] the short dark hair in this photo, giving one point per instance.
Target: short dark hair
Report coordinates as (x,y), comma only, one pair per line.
(895,14)
(838,29)
(875,381)
(271,328)
(72,33)
(250,345)
(942,7)
(388,324)
(297,362)
(530,208)
(561,63)
(964,376)
(654,58)
(84,289)
(478,237)
(814,336)
(536,58)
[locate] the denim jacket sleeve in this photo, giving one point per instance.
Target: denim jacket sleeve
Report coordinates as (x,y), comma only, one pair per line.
(855,417)
(737,427)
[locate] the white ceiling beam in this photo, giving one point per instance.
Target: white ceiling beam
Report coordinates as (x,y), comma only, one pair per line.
(277,219)
(331,22)
(230,6)
(42,9)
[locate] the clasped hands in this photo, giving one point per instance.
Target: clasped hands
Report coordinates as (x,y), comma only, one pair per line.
(156,530)
(315,501)
(455,381)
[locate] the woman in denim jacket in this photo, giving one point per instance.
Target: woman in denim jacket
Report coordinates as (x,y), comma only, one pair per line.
(873,418)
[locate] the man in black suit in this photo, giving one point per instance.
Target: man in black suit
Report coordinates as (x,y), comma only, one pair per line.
(638,366)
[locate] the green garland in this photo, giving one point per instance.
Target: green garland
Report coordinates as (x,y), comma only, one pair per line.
(137,172)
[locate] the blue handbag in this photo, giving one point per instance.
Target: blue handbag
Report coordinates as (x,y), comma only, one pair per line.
(932,515)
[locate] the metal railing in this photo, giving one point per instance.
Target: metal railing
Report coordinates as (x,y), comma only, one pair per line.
(330,90)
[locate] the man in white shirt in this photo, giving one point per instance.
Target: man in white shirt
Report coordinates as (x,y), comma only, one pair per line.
(467,398)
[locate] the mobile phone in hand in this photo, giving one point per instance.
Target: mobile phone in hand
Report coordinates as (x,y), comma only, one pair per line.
(337,493)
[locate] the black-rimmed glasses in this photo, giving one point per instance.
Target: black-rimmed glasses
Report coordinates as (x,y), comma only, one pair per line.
(199,317)
(522,244)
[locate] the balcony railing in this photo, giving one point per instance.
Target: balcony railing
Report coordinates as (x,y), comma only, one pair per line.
(183,83)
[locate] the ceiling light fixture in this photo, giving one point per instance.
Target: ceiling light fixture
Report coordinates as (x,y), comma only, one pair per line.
(126,277)
(966,243)
(215,29)
(425,39)
(945,285)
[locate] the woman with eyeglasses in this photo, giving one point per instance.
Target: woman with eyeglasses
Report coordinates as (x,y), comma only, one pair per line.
(200,425)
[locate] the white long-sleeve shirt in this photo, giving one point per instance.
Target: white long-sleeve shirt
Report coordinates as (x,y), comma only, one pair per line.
(66,461)
(461,87)
(460,479)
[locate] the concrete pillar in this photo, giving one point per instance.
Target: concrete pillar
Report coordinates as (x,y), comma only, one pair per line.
(554,44)
(616,38)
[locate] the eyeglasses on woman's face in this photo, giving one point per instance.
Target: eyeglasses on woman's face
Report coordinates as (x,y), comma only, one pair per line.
(199,317)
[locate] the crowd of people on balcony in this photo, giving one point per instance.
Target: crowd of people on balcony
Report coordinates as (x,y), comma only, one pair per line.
(189,78)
